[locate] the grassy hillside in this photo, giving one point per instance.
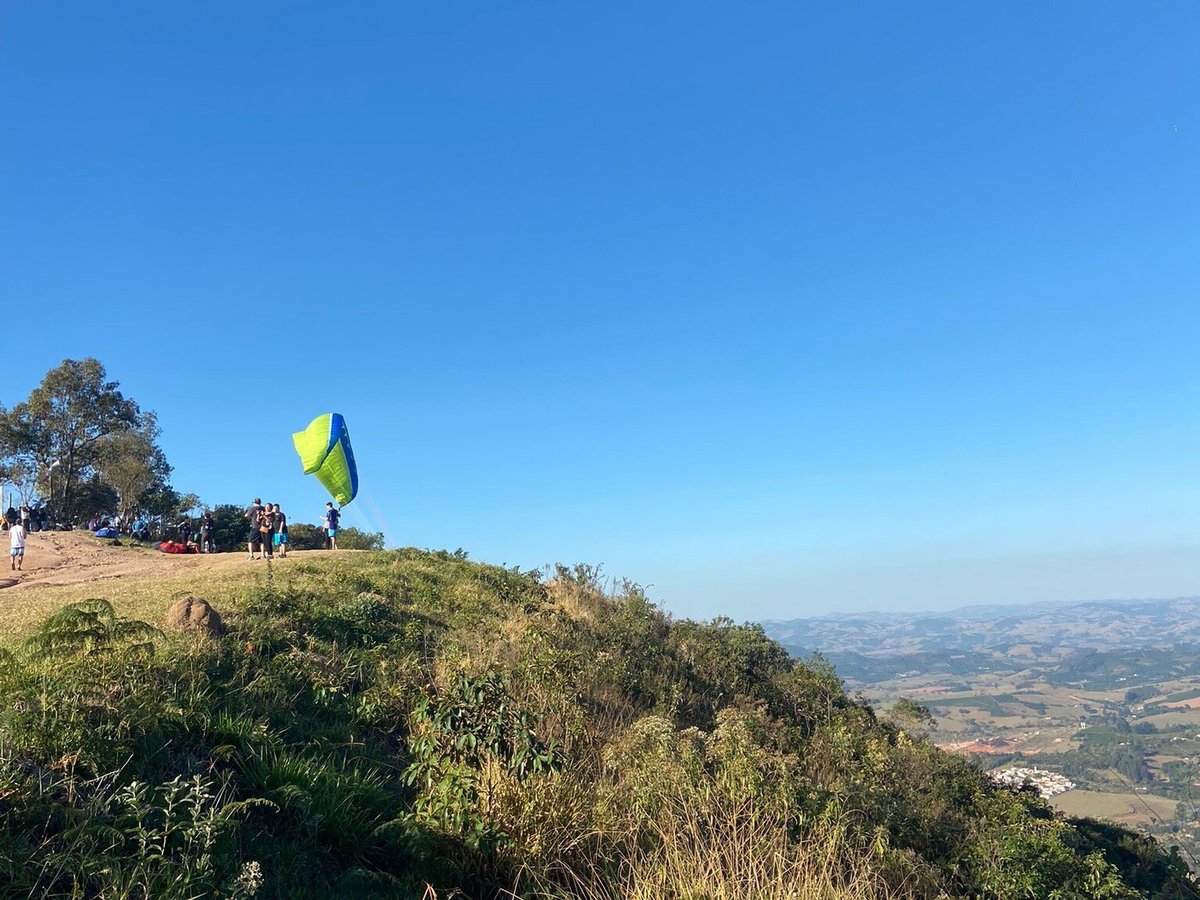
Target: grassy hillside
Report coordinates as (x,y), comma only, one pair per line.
(412,724)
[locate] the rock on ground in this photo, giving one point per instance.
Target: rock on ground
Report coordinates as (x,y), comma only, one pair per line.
(194,614)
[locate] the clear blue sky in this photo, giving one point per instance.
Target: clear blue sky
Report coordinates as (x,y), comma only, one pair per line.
(778,308)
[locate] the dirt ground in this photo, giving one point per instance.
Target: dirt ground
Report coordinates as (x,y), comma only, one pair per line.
(65,567)
(55,558)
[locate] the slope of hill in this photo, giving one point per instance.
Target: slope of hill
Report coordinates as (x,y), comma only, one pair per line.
(413,724)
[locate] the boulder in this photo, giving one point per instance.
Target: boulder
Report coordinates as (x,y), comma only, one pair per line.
(195,615)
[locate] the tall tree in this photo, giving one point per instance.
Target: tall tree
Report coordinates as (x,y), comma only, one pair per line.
(132,463)
(59,429)
(94,497)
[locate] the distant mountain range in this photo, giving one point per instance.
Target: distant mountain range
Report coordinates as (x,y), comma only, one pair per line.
(1099,625)
(872,647)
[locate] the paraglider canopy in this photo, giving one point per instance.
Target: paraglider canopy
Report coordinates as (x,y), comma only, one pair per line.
(324,448)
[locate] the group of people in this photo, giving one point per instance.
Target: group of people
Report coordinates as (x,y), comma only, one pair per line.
(19,522)
(200,538)
(31,518)
(268,534)
(116,526)
(268,530)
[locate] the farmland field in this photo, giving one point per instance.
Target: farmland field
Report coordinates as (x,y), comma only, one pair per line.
(1128,809)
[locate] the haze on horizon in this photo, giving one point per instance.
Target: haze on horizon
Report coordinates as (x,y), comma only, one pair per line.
(778,311)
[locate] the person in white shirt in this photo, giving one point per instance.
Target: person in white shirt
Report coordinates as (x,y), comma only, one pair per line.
(16,543)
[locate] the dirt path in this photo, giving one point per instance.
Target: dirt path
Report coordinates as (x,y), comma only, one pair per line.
(54,558)
(65,557)
(64,567)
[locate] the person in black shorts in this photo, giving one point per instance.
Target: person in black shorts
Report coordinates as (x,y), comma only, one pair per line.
(207,527)
(255,536)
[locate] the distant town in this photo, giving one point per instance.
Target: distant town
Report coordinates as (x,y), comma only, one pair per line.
(1046,783)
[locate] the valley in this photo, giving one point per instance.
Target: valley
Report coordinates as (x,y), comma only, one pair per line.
(1105,694)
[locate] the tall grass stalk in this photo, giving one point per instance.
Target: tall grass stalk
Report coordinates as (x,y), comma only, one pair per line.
(709,850)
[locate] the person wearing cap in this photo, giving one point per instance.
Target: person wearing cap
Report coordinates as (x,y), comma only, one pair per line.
(331,519)
(255,536)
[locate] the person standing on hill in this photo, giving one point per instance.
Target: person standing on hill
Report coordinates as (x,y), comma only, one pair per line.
(255,536)
(281,533)
(16,544)
(266,525)
(331,519)
(207,525)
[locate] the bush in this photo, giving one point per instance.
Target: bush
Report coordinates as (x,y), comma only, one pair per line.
(311,537)
(231,527)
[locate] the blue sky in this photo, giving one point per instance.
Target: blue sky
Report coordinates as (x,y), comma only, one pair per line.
(778,310)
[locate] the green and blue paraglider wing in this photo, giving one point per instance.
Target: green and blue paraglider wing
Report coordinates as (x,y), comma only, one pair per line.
(325,451)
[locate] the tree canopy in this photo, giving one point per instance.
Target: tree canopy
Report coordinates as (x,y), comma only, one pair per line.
(59,434)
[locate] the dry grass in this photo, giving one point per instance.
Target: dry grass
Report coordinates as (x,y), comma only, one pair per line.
(143,598)
(579,601)
(732,854)
(140,583)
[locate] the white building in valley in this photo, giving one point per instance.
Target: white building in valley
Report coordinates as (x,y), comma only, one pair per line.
(1046,783)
